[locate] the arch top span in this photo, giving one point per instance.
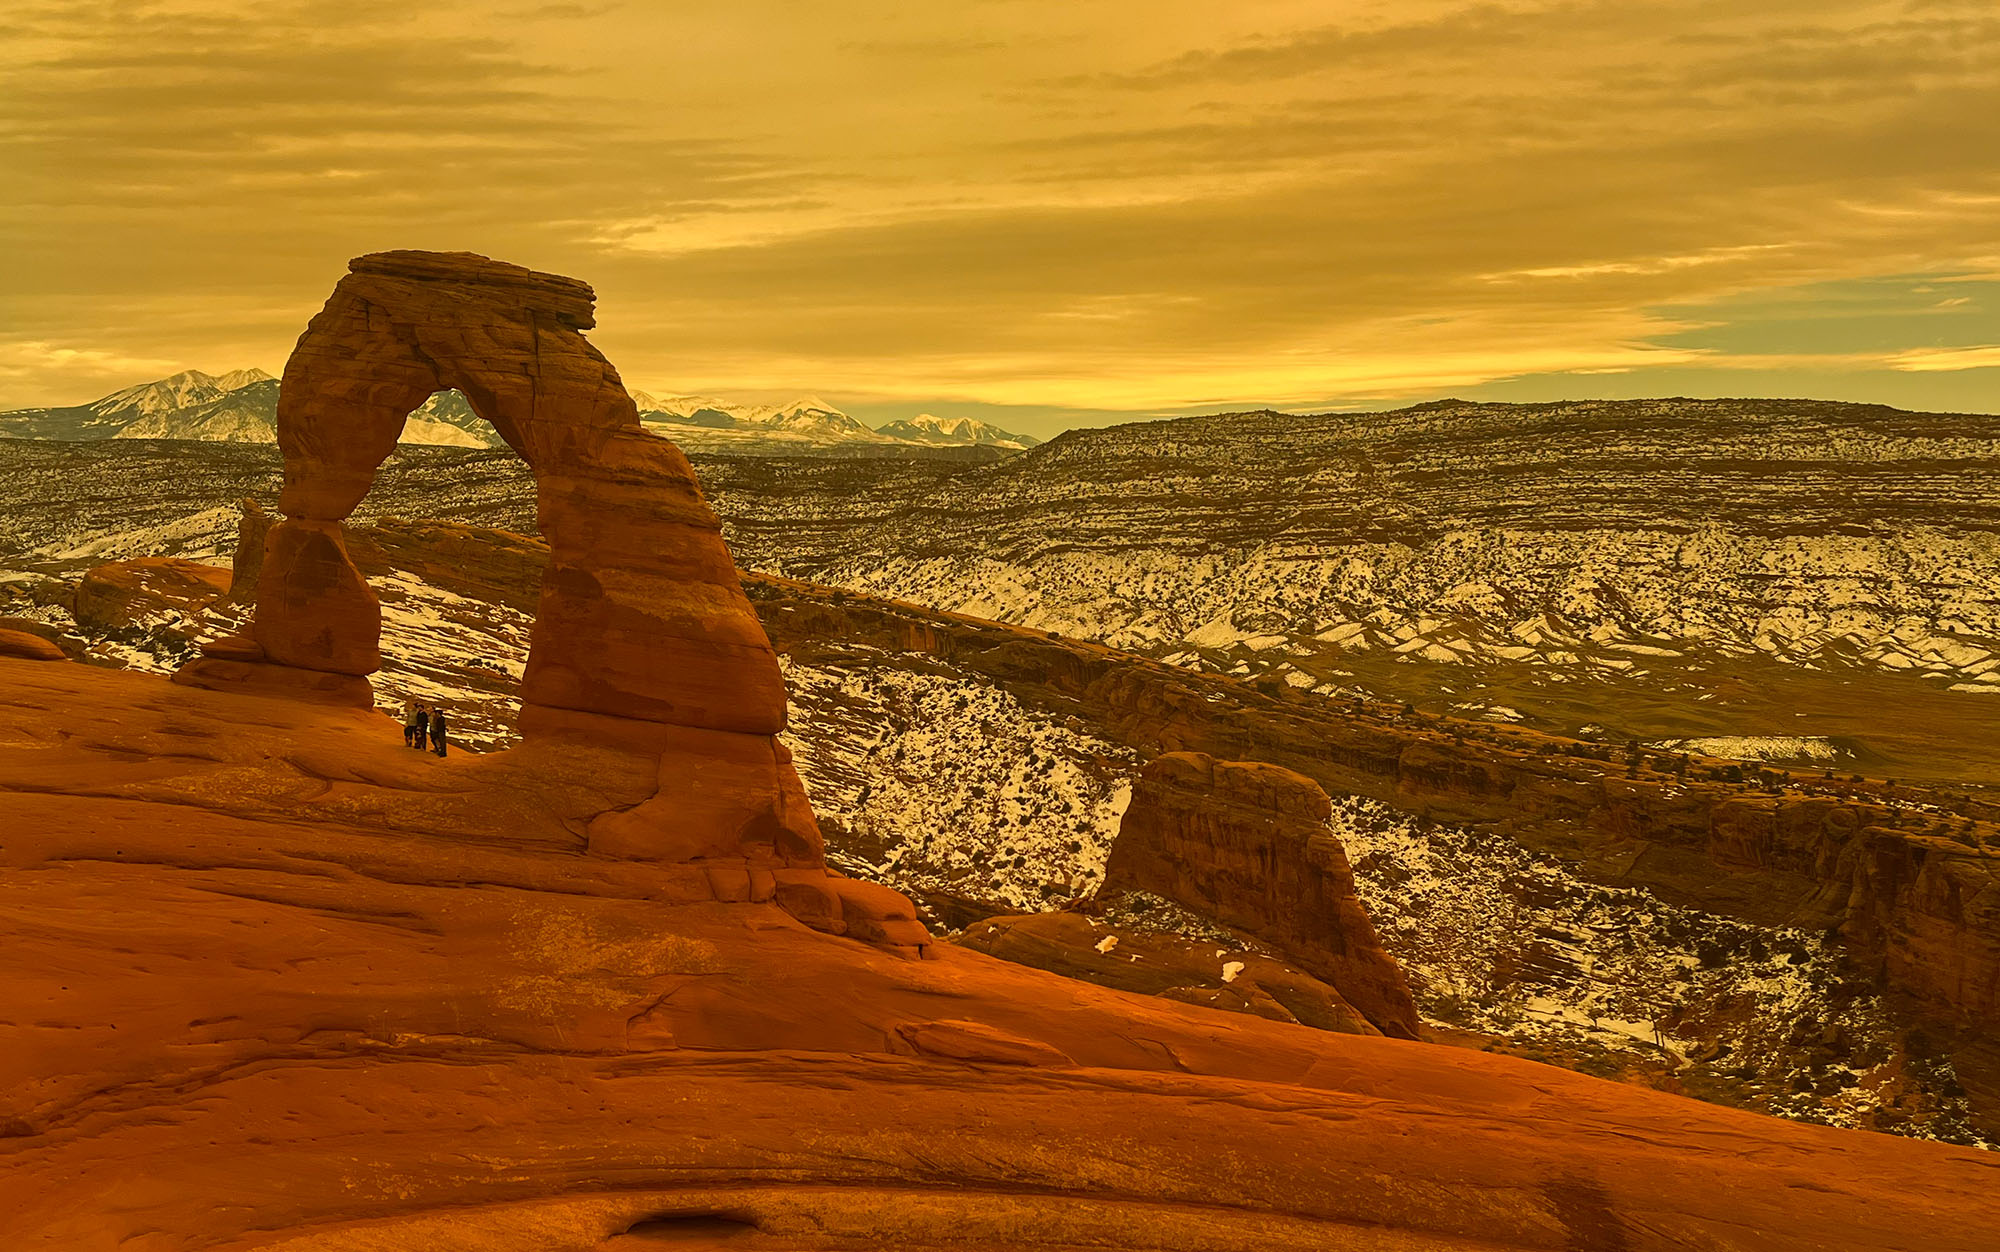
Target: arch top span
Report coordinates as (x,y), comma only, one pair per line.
(641,615)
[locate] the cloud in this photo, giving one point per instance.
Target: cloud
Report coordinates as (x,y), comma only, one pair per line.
(1031,202)
(1941,360)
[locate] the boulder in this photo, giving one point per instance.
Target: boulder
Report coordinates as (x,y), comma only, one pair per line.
(131,595)
(27,647)
(1247,844)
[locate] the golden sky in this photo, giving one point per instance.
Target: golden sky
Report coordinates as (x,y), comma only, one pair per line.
(1047,212)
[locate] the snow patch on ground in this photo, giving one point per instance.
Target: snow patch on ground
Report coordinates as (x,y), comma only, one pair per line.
(943,781)
(1499,940)
(1759,747)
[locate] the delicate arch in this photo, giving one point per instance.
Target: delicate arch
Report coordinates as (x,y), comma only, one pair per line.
(641,614)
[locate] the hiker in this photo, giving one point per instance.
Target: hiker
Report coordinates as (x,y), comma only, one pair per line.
(437,731)
(414,724)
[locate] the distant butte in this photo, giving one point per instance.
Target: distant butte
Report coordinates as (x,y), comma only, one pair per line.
(274,981)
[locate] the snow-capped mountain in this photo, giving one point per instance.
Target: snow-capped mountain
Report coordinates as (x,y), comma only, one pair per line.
(814,417)
(924,428)
(241,378)
(807,417)
(246,414)
(702,410)
(109,416)
(183,390)
(447,420)
(238,407)
(241,406)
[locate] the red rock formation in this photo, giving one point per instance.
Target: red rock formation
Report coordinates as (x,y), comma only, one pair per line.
(118,596)
(643,639)
(27,647)
(272,981)
(641,615)
(1247,844)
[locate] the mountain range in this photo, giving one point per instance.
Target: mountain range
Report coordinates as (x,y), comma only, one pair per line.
(241,407)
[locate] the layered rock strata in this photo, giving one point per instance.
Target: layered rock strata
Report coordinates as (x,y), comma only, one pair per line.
(1247,844)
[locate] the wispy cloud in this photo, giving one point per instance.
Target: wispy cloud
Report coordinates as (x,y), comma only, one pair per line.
(1117,205)
(1941,360)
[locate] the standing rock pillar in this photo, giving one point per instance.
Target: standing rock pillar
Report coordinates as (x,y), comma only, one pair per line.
(314,609)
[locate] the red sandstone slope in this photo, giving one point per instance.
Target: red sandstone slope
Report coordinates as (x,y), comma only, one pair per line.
(276,981)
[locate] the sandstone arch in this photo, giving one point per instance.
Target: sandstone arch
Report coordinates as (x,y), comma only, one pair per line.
(643,640)
(641,615)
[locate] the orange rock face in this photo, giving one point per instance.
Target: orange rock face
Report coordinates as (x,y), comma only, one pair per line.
(273,981)
(1246,843)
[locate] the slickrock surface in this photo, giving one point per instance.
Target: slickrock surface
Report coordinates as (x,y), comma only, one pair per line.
(1247,844)
(1158,962)
(276,981)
